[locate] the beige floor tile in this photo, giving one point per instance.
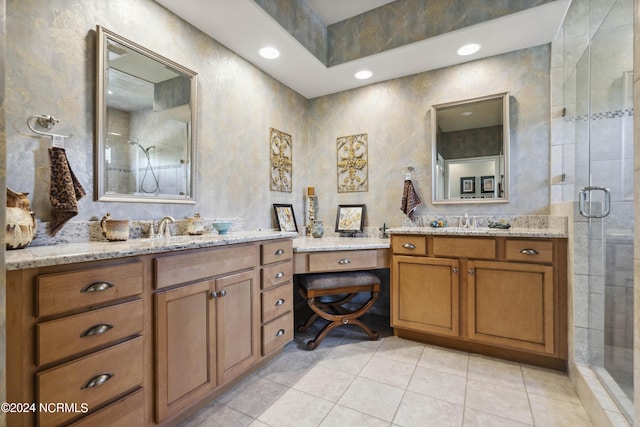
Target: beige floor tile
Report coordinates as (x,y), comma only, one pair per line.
(498,400)
(297,409)
(341,416)
(225,417)
(290,366)
(372,398)
(346,359)
(401,350)
(439,384)
(388,371)
(473,418)
(324,382)
(254,397)
(442,359)
(557,413)
(500,372)
(549,383)
(420,410)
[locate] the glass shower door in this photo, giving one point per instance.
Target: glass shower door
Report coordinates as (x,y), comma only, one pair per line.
(607,199)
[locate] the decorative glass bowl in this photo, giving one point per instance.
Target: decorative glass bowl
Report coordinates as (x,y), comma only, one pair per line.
(222,227)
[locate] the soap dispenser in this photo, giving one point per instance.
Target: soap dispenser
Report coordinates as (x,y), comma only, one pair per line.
(195,225)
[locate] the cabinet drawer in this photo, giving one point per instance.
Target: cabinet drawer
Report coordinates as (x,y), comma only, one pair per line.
(183,268)
(277,333)
(342,260)
(276,274)
(70,335)
(128,411)
(276,251)
(529,250)
(62,292)
(409,245)
(276,302)
(114,372)
(464,247)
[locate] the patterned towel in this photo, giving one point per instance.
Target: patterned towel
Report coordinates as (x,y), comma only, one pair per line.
(65,190)
(410,199)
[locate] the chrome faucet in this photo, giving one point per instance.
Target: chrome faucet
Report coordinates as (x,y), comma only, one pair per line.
(164,230)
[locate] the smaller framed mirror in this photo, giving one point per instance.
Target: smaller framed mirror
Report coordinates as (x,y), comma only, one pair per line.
(470,144)
(145,124)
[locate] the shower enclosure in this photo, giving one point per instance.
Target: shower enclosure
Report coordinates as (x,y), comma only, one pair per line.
(600,119)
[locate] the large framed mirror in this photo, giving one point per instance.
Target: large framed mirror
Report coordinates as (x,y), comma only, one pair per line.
(145,124)
(470,144)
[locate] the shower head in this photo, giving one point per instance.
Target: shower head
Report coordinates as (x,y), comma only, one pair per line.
(132,142)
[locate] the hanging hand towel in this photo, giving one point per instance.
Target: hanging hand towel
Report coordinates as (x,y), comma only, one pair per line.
(65,190)
(410,199)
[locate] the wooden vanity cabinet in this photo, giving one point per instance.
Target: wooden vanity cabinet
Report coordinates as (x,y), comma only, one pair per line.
(495,295)
(76,335)
(207,328)
(276,295)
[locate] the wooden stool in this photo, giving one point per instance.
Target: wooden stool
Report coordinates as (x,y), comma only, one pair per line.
(336,285)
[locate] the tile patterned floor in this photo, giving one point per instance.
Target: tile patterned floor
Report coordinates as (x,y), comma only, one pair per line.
(351,381)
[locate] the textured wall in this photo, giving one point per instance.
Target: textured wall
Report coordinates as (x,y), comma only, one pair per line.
(395,115)
(51,46)
(406,21)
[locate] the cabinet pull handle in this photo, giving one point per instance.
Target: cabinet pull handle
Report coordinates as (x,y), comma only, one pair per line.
(97,380)
(97,287)
(96,330)
(409,246)
(213,294)
(471,271)
(529,252)
(279,275)
(222,293)
(280,332)
(279,252)
(344,261)
(279,302)
(454,270)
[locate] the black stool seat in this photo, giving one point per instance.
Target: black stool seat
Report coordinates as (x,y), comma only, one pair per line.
(326,284)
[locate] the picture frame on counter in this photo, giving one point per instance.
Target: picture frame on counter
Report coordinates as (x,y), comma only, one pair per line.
(350,218)
(285,217)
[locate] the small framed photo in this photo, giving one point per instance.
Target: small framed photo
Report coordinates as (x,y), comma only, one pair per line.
(468,185)
(286,218)
(487,184)
(350,218)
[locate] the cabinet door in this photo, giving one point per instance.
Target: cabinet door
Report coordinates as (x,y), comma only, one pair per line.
(425,294)
(185,346)
(238,305)
(511,304)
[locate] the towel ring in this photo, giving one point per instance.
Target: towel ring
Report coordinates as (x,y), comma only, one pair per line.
(47,121)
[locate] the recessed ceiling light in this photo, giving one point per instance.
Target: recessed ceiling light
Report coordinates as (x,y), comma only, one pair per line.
(269,52)
(466,113)
(363,74)
(468,49)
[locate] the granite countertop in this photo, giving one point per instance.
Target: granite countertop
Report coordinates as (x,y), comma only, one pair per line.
(483,231)
(335,243)
(67,253)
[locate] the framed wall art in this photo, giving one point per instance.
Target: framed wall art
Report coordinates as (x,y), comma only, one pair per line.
(350,218)
(468,185)
(281,161)
(353,166)
(285,217)
(487,184)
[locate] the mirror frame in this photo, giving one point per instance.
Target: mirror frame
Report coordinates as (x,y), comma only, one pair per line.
(102,37)
(505,146)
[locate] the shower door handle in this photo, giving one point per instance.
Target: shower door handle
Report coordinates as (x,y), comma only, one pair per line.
(606,204)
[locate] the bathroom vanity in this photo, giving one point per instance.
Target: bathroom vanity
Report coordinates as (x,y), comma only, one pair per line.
(142,332)
(495,292)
